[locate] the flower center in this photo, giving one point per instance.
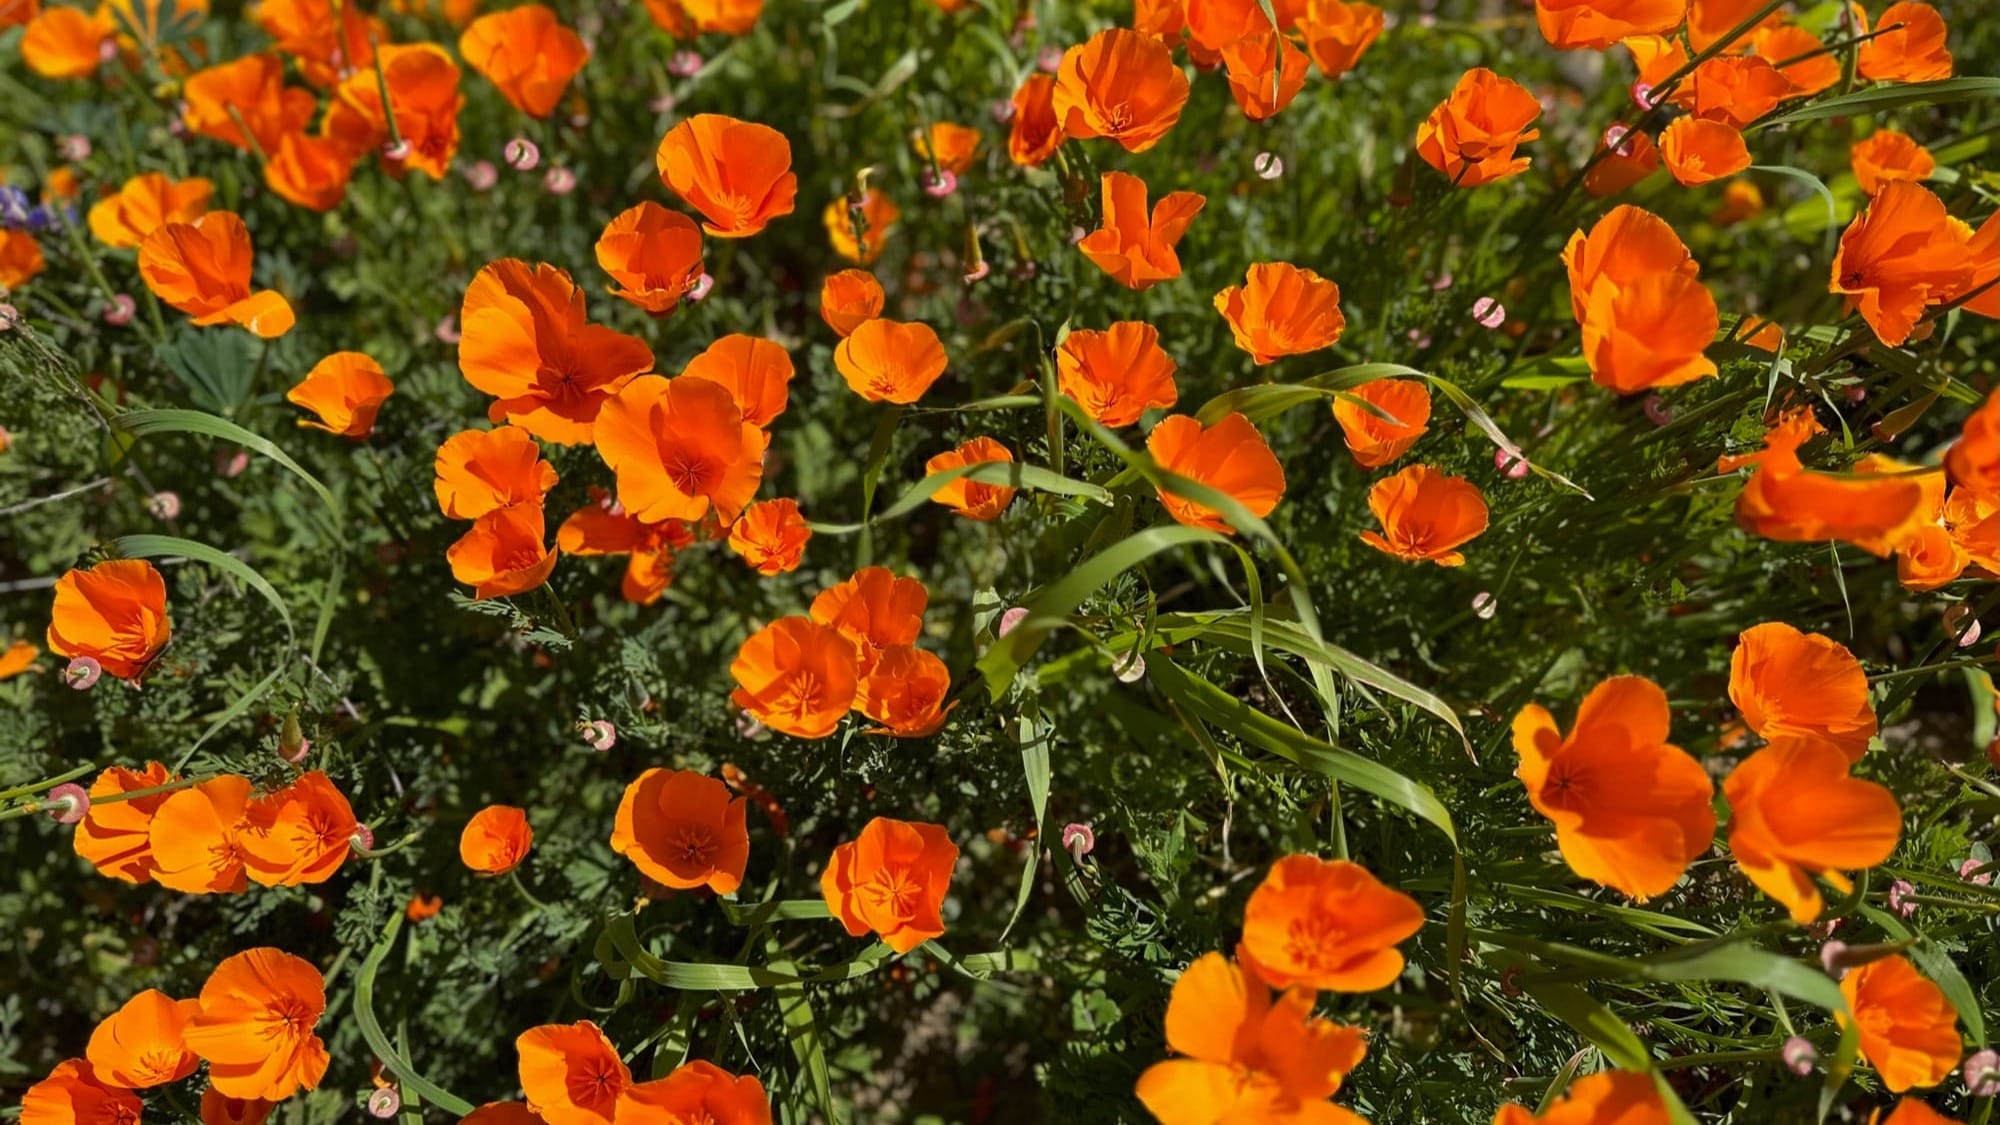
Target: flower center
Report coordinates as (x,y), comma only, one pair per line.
(691,473)
(893,890)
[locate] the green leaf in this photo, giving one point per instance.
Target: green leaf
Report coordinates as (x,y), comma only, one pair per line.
(371,1028)
(1268,400)
(802,1032)
(141,423)
(702,977)
(1035,769)
(1872,102)
(167,546)
(1593,1021)
(1013,474)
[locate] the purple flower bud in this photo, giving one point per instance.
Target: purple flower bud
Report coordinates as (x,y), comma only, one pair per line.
(1078,839)
(684,64)
(118,313)
(67,803)
(1489,313)
(701,287)
(447,329)
(1955,618)
(363,838)
(385,1102)
(1268,165)
(1441,282)
(937,183)
(230,463)
(1657,410)
(1049,59)
(1003,111)
(396,151)
(1971,873)
(82,673)
(1832,958)
(748,725)
(1982,1074)
(1799,1055)
(521,155)
(1899,892)
(164,505)
(559,181)
(482,175)
(1484,606)
(74,148)
(1512,463)
(1011,620)
(598,734)
(9,316)
(663,103)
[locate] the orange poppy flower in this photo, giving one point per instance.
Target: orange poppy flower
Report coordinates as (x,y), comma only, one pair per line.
(1699,151)
(850,298)
(1034,132)
(1910,1111)
(202,268)
(1909,1030)
(1230,457)
(738,174)
(681,448)
(20,258)
(754,370)
(950,146)
(796,676)
(218,1108)
(495,840)
(1282,310)
(1117,374)
(1164,20)
(1326,924)
(255,1026)
(891,879)
(1651,333)
(250,90)
(504,553)
(685,19)
(697,1091)
(17,658)
(309,171)
(771,536)
(891,360)
(502,1113)
(1123,85)
(423,907)
(1741,201)
(1246,1057)
(146,203)
(1930,558)
(115,613)
(1337,34)
(1792,685)
(654,253)
(481,471)
(195,837)
(14,13)
(1597,24)
(571,1073)
(346,390)
(1257,63)
(525,341)
(74,1093)
(1631,810)
(422,81)
(141,1045)
(874,610)
(1425,515)
(1372,439)
(1609,1097)
(1800,57)
(1886,155)
(1901,255)
(1710,20)
(1787,502)
(1973,461)
(597,530)
(67,42)
(327,37)
(1138,251)
(859,234)
(1908,46)
(1732,89)
(683,830)
(1795,813)
(1973,520)
(973,499)
(905,691)
(300,834)
(1213,25)
(114,836)
(527,53)
(1471,136)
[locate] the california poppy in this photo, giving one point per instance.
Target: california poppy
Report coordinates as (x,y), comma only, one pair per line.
(142,1045)
(1326,924)
(874,610)
(1122,85)
(202,268)
(1742,201)
(1800,56)
(298,835)
(891,360)
(503,1113)
(1910,1111)
(1338,33)
(495,840)
(218,1108)
(1136,249)
(973,499)
(21,258)
(1425,515)
(225,100)
(1973,520)
(948,145)
(905,691)
(1609,1097)
(527,53)
(771,536)
(1372,439)
(1710,20)
(850,298)
(1790,684)
(67,42)
(681,448)
(796,676)
(1631,810)
(195,837)
(683,830)
(1909,1030)
(1247,1057)
(1229,456)
(1034,132)
(1282,310)
(1796,814)
(75,1094)
(1973,461)
(859,232)
(14,13)
(755,371)
(1732,89)
(422,82)
(255,1025)
(309,171)
(1651,333)
(1597,24)
(328,37)
(423,907)
(1117,374)
(144,204)
(1265,73)
(598,529)
(1908,46)
(1471,136)
(654,254)
(114,613)
(1886,155)
(1698,151)
(696,1091)
(346,390)
(17,658)
(891,879)
(571,1073)
(525,340)
(738,174)
(1900,256)
(481,471)
(504,553)
(114,835)
(1164,20)
(1213,25)
(685,19)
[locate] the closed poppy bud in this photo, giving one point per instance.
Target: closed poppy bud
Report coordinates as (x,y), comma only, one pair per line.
(892,880)
(481,471)
(1908,1029)
(1888,155)
(849,298)
(891,360)
(1795,814)
(973,499)
(68,42)
(1908,46)
(736,173)
(755,371)
(1117,374)
(1900,256)
(1282,310)
(571,1074)
(1373,439)
(572,367)
(74,1093)
(309,171)
(1627,1097)
(249,93)
(1326,924)
(218,1108)
(114,613)
(527,53)
(1697,151)
(905,691)
(255,1025)
(1135,248)
(1337,34)
(504,553)
(1800,56)
(1122,85)
(654,254)
(1034,132)
(1257,63)
(796,676)
(422,81)
(1790,684)
(1229,456)
(346,390)
(202,268)
(1425,515)
(141,1045)
(495,840)
(683,830)
(771,536)
(1597,24)
(681,448)
(696,1091)
(144,204)
(1471,136)
(859,232)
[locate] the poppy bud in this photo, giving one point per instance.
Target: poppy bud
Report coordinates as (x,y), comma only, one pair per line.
(1899,892)
(482,175)
(1642,95)
(1657,410)
(82,673)
(938,183)
(396,151)
(1268,165)
(1484,606)
(1982,1074)
(292,744)
(1489,313)
(1512,463)
(978,272)
(1799,1055)
(74,148)
(118,313)
(363,838)
(521,154)
(598,734)
(1012,619)
(1130,669)
(684,64)
(384,1102)
(67,803)
(1078,840)
(559,181)
(164,505)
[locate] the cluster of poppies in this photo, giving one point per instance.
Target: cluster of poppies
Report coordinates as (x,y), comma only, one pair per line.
(572,1074)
